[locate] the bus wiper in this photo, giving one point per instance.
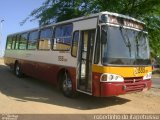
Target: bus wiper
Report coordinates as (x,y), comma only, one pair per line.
(137,43)
(126,41)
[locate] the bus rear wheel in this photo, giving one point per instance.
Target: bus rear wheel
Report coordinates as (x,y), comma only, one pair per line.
(66,86)
(17,70)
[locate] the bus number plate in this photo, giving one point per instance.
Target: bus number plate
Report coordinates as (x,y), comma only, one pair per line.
(139,70)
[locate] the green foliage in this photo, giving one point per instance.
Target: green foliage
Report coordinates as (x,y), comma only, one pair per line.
(58,10)
(146,10)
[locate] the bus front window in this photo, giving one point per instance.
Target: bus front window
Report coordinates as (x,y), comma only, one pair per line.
(123,46)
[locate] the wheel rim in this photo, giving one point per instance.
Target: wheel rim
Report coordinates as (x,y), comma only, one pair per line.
(67,85)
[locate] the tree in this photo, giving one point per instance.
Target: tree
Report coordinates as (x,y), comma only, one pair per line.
(146,10)
(58,10)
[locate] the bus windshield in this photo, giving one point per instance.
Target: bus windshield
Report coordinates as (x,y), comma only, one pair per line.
(124,46)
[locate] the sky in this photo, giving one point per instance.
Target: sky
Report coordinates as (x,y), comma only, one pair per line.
(13,12)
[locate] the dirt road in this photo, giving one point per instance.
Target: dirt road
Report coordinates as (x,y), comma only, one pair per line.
(27,95)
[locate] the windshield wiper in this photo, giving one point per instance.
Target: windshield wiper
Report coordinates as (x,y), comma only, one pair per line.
(137,43)
(126,41)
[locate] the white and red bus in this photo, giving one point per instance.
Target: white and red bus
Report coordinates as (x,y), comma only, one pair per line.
(104,54)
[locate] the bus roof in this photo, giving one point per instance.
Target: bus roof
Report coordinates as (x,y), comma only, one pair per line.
(82,18)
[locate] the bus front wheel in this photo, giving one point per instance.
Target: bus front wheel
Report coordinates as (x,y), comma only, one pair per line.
(66,85)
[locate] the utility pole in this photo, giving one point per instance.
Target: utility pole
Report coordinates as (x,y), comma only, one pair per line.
(1,26)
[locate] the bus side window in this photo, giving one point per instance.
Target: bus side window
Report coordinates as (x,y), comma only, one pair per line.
(75,44)
(33,40)
(9,43)
(45,39)
(63,37)
(13,42)
(17,41)
(97,47)
(23,41)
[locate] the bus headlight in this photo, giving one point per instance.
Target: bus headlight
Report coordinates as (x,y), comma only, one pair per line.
(106,77)
(147,76)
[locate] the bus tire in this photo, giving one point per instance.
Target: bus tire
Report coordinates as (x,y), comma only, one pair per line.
(66,85)
(17,70)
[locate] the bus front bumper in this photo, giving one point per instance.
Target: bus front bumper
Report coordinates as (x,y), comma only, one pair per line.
(114,89)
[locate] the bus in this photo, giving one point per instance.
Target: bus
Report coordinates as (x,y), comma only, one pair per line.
(103,54)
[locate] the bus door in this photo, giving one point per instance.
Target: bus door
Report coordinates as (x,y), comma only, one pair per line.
(85,54)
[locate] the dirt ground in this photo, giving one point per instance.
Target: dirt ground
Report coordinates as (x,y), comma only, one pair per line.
(28,95)
(1,61)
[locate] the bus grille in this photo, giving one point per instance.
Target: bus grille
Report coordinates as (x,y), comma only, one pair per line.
(133,80)
(135,88)
(132,85)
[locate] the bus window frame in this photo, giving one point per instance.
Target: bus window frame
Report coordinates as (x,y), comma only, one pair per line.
(36,39)
(72,43)
(26,40)
(97,45)
(7,43)
(53,38)
(17,39)
(14,37)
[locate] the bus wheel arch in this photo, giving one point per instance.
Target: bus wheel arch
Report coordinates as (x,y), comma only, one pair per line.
(65,83)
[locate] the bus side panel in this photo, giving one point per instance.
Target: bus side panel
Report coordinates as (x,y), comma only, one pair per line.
(9,61)
(44,65)
(28,67)
(46,72)
(50,72)
(96,84)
